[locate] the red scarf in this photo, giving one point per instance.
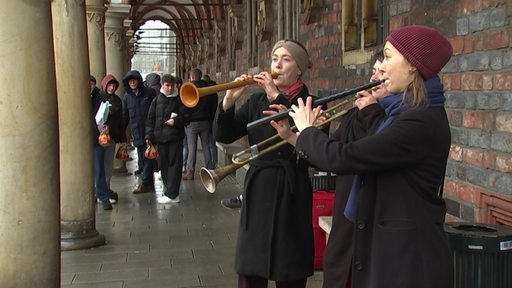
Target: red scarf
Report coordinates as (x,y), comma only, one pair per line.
(293,90)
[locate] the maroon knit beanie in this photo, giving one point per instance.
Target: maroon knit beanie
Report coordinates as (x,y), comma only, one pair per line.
(424,47)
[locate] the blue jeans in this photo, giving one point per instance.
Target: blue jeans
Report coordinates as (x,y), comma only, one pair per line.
(185,154)
(100,181)
(109,161)
(193,130)
(148,166)
(213,150)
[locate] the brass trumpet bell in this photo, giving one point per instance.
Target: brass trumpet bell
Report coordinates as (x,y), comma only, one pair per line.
(190,93)
(211,177)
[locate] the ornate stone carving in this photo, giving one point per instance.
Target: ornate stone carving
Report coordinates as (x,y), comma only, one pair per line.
(114,37)
(208,44)
(98,18)
(312,9)
(219,44)
(263,26)
(236,13)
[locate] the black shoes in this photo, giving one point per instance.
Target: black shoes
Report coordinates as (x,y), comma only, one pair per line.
(144,188)
(232,203)
(113,197)
(106,204)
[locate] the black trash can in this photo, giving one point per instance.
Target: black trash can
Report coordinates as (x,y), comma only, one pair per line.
(482,254)
(321,180)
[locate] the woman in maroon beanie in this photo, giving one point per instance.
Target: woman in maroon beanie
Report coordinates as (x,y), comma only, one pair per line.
(395,202)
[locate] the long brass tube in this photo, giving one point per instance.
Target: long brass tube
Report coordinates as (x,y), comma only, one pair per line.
(319,101)
(211,177)
(253,151)
(190,93)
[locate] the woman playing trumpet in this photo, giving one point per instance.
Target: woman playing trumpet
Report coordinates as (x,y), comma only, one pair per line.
(396,199)
(275,237)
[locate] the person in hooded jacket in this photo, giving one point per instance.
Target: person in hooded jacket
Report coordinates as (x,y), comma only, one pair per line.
(100,183)
(395,201)
(136,103)
(115,126)
(153,81)
(165,127)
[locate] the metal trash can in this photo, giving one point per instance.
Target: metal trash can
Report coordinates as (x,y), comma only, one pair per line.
(482,254)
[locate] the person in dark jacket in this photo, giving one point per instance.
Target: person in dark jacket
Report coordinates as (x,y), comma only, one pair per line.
(395,202)
(275,236)
(114,125)
(136,102)
(165,127)
(337,260)
(201,118)
(212,144)
(100,182)
(153,81)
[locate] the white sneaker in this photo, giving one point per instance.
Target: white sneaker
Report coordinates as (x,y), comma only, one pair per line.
(166,200)
(112,201)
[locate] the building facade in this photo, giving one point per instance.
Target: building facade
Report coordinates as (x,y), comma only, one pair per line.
(478,78)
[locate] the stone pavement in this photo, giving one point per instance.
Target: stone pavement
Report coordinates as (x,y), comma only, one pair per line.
(152,245)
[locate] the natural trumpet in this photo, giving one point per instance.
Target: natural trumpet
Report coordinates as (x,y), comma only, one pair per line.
(320,101)
(210,178)
(190,93)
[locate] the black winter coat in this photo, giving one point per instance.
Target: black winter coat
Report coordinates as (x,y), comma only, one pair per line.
(338,252)
(136,107)
(116,127)
(160,111)
(96,100)
(399,236)
(275,237)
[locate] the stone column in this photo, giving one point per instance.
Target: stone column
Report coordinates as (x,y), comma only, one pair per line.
(78,227)
(96,34)
(29,209)
(114,50)
(114,43)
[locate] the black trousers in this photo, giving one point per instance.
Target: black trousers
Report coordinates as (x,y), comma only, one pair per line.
(260,282)
(171,162)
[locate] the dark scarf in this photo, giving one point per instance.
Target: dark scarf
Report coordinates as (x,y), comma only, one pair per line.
(393,106)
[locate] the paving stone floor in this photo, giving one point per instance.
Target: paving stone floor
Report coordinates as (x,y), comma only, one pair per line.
(151,245)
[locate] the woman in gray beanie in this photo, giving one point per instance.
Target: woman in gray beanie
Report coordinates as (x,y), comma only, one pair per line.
(396,201)
(275,237)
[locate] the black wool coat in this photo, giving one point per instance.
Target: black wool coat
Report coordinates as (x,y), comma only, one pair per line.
(160,111)
(399,236)
(136,106)
(275,237)
(337,259)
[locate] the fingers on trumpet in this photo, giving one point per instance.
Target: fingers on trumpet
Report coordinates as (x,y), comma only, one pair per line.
(373,89)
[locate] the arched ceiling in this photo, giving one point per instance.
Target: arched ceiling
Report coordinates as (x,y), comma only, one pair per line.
(186,18)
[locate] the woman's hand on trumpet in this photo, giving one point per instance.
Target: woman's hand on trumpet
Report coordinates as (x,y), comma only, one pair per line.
(282,126)
(265,80)
(364,98)
(234,93)
(303,115)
